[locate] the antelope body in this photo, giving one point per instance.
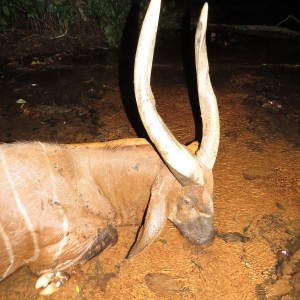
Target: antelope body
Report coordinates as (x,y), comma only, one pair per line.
(61,204)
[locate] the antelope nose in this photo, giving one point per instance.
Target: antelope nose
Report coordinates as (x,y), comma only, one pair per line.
(206,241)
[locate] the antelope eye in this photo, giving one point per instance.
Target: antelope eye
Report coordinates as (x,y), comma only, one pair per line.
(188,202)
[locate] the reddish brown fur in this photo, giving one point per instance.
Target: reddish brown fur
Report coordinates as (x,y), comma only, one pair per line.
(61,204)
(96,187)
(84,178)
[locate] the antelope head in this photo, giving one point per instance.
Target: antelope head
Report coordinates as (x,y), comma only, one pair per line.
(187,198)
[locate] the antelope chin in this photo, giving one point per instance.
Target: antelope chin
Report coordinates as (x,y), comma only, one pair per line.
(203,241)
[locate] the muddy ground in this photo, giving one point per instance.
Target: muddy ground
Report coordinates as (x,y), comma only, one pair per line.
(75,97)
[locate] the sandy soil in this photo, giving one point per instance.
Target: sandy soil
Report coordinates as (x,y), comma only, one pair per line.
(256,253)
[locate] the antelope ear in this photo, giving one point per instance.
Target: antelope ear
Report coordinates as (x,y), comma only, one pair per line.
(156,216)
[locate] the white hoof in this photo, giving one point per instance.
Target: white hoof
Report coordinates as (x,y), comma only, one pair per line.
(50,283)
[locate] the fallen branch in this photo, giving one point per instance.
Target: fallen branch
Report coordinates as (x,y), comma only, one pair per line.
(257,30)
(288,18)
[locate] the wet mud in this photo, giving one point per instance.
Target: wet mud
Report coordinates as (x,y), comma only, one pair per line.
(256,252)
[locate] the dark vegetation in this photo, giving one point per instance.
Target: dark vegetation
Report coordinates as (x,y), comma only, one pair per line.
(108,18)
(80,16)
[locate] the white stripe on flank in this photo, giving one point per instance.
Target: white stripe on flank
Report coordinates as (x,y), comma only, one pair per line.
(65,223)
(65,239)
(21,208)
(8,249)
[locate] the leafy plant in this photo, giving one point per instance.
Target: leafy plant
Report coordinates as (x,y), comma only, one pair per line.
(59,15)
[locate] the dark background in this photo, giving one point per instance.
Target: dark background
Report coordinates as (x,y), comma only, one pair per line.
(247,12)
(266,12)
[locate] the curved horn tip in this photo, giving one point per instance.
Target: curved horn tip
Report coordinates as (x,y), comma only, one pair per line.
(204,13)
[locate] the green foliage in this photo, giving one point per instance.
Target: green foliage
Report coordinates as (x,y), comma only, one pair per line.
(40,14)
(110,16)
(21,101)
(5,12)
(59,15)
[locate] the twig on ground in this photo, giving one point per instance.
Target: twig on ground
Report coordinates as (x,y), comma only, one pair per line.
(60,36)
(287,18)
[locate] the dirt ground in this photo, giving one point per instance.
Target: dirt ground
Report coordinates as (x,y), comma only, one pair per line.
(256,253)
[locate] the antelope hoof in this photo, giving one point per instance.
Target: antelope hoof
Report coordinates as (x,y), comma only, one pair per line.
(50,283)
